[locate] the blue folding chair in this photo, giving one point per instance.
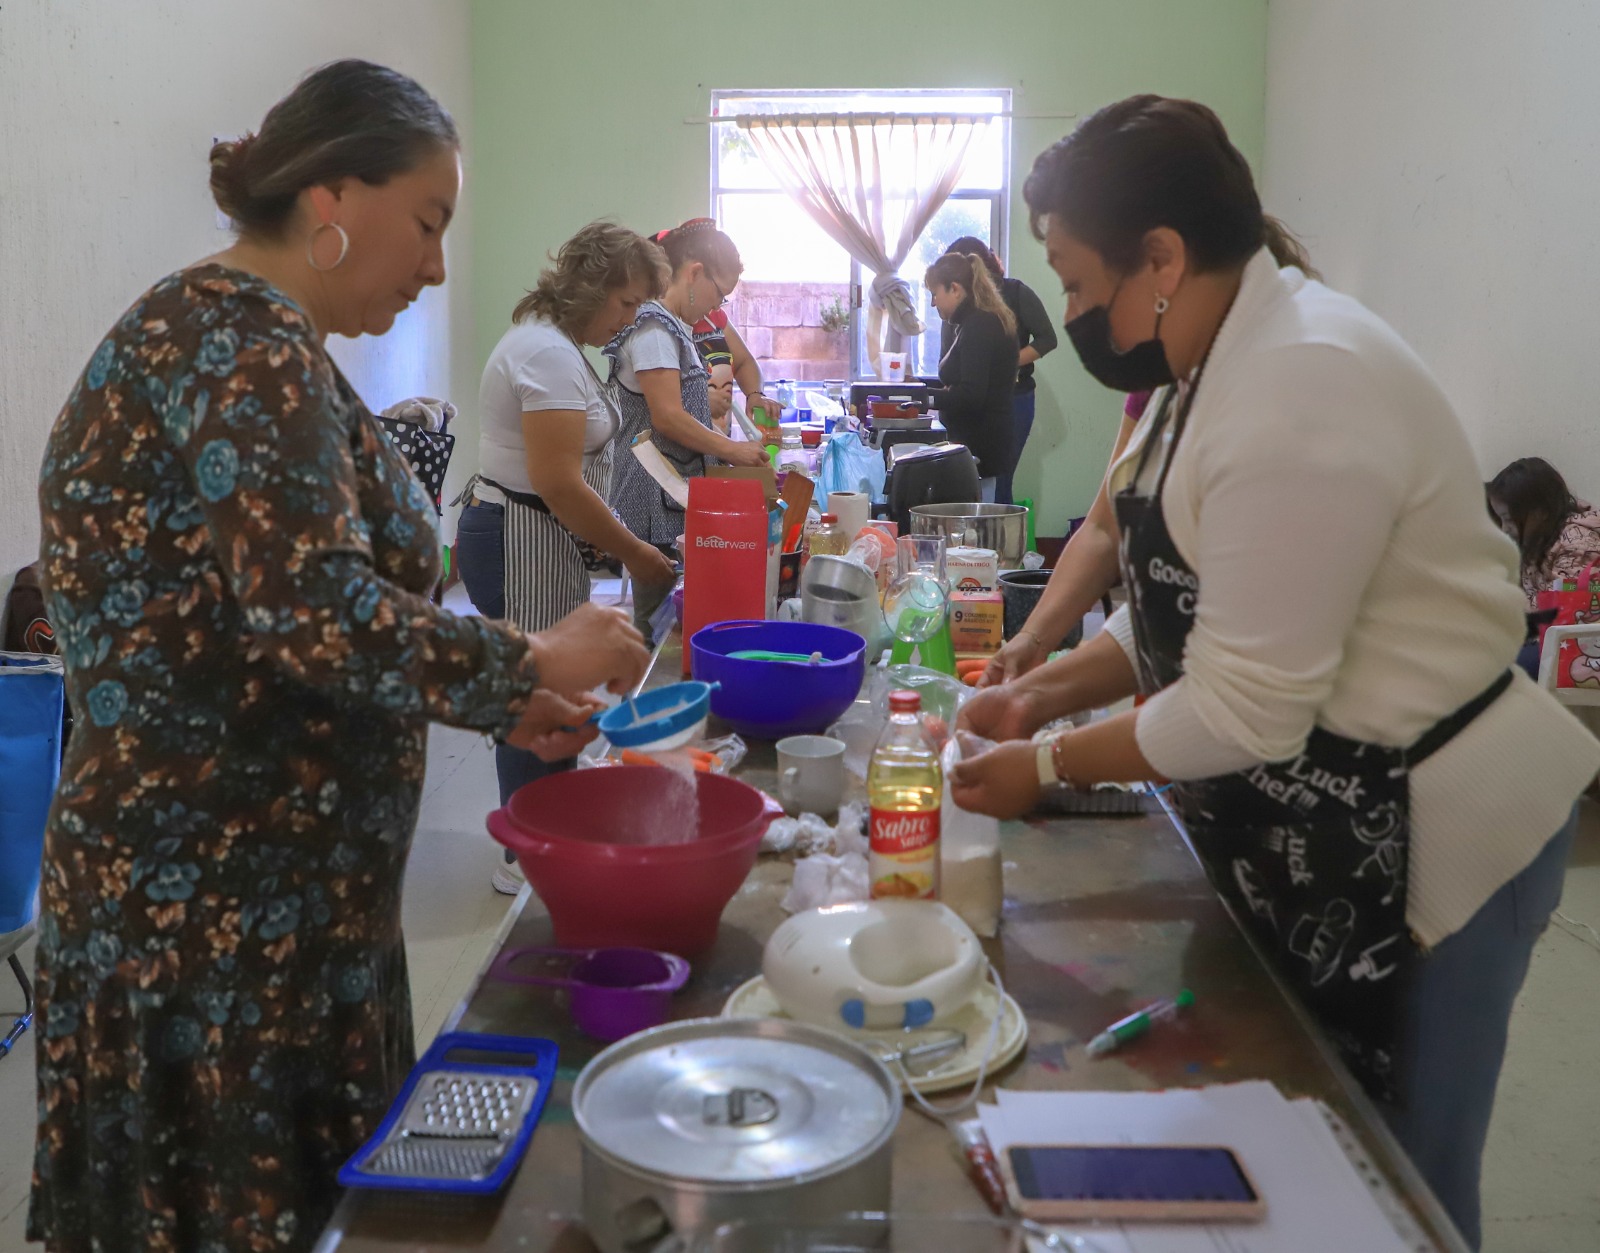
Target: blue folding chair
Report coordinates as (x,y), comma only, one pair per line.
(31,699)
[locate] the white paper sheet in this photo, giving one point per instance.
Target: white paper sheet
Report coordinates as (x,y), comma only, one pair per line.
(1317,1202)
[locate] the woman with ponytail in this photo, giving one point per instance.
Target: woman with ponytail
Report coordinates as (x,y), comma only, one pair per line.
(1036,336)
(660,384)
(979,371)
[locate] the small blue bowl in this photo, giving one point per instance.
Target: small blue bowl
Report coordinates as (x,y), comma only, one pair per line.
(768,700)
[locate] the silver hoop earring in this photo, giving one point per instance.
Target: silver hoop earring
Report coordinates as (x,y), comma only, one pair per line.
(311,248)
(1161,305)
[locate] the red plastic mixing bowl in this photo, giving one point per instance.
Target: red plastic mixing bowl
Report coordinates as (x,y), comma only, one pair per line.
(591,844)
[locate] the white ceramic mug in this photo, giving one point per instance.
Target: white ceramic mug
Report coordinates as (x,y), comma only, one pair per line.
(811,774)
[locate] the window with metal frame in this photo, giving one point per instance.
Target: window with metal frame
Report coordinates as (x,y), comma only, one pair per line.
(799,303)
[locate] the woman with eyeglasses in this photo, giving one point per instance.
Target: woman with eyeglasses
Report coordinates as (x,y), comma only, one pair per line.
(661,387)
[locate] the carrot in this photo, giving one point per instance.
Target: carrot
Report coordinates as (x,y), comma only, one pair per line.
(971,664)
(971,677)
(631,758)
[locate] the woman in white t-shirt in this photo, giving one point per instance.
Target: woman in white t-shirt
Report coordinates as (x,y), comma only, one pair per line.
(661,386)
(545,449)
(1324,620)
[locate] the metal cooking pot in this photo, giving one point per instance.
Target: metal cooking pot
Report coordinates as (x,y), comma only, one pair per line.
(836,591)
(1003,528)
(724,1120)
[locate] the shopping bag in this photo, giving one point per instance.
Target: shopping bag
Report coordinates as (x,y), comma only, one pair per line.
(427,451)
(31,699)
(1576,601)
(848,465)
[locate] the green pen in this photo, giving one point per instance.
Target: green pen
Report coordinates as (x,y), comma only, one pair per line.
(1135,1025)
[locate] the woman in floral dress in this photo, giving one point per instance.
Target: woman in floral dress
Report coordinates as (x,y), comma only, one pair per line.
(238,564)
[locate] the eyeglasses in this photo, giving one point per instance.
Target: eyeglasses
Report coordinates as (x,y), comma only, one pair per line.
(722,296)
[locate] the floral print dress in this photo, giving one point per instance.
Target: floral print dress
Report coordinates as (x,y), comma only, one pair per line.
(237,564)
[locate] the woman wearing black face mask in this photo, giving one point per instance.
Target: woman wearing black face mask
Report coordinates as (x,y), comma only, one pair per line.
(1087,569)
(1324,619)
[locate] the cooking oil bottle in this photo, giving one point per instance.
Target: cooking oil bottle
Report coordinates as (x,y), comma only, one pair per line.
(904,788)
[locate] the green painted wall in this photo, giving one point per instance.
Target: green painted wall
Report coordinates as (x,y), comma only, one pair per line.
(579,111)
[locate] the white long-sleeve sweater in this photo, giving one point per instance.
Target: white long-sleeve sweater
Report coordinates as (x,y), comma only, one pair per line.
(1350,578)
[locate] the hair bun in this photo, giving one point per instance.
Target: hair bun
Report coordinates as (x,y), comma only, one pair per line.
(228,157)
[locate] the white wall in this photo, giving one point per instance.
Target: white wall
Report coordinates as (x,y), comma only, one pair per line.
(107,111)
(1441,158)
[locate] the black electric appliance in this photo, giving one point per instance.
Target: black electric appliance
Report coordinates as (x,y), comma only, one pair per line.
(940,474)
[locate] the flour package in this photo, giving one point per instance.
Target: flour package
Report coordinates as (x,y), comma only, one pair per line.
(971,879)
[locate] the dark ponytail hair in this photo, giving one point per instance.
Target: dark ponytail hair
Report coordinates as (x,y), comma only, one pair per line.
(349,119)
(698,239)
(973,246)
(1538,503)
(1147,162)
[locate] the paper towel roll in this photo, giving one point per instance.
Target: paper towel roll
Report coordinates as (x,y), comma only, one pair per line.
(853,509)
(972,569)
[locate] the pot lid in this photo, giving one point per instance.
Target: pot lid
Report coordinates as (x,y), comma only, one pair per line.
(736,1101)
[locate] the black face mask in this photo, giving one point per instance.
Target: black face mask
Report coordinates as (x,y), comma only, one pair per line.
(1142,368)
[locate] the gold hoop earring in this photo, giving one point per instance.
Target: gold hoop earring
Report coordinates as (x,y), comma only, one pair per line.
(311,248)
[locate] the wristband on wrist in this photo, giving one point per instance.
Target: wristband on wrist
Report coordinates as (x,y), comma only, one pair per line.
(1048,758)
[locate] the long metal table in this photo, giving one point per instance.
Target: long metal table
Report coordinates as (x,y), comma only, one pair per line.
(1101,916)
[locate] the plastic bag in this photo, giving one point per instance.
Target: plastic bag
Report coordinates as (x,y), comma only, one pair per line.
(810,833)
(822,405)
(848,465)
(718,756)
(942,694)
(862,724)
(822,880)
(971,879)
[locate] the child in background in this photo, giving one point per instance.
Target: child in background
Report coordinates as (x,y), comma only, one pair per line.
(721,389)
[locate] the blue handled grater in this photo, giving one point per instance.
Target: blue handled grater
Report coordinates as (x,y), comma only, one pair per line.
(463,1118)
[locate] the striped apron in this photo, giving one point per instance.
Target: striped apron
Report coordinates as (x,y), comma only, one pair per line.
(546,574)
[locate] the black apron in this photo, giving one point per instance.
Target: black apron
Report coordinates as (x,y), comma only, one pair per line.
(1311,854)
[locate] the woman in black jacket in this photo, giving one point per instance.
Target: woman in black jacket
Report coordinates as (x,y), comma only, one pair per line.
(1036,335)
(978,372)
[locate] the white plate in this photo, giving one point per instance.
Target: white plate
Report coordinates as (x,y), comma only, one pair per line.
(976,1018)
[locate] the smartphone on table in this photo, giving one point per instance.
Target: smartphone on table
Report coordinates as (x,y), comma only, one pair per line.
(1130,1183)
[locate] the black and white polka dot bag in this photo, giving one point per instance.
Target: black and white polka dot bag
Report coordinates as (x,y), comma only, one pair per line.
(428,451)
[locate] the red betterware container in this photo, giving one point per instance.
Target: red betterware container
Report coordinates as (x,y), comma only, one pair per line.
(724,554)
(584,838)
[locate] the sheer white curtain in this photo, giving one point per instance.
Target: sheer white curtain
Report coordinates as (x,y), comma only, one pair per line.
(873,182)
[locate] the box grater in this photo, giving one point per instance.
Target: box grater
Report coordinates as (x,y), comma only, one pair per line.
(463,1118)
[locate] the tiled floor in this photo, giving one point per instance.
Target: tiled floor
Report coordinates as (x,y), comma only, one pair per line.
(1540,1172)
